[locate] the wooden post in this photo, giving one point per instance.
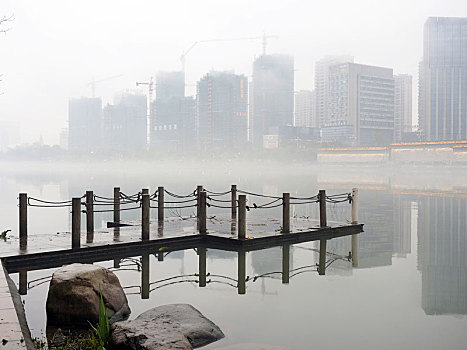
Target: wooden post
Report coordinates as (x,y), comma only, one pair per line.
(116,204)
(202,265)
(199,189)
(23,282)
(233,192)
(285,263)
(116,263)
(23,220)
(145,276)
(160,256)
(160,203)
(145,217)
(322,257)
(202,212)
(285,212)
(241,286)
(89,216)
(241,216)
(354,206)
(145,191)
(75,222)
(322,208)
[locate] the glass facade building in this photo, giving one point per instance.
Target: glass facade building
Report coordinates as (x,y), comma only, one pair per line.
(443,80)
(360,97)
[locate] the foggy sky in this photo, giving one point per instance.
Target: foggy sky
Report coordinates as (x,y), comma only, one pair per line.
(55,47)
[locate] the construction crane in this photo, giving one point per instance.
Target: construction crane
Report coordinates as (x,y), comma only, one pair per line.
(94,82)
(264,39)
(150,85)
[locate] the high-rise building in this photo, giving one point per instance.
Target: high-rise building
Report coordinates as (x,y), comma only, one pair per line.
(125,123)
(321,85)
(222,110)
(173,115)
(443,80)
(402,105)
(360,105)
(305,108)
(84,124)
(272,96)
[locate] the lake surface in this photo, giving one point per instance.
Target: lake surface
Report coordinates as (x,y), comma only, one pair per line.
(408,291)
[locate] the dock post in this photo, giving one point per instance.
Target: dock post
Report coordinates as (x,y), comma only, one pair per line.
(145,217)
(160,256)
(75,222)
(145,276)
(241,286)
(202,265)
(354,206)
(322,257)
(144,191)
(23,282)
(160,203)
(202,212)
(322,208)
(23,220)
(233,192)
(241,216)
(116,263)
(285,264)
(116,204)
(199,189)
(89,216)
(285,212)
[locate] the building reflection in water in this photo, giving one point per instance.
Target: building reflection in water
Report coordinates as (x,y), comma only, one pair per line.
(442,254)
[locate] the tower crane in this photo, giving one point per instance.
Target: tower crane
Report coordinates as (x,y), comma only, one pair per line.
(264,39)
(150,85)
(93,83)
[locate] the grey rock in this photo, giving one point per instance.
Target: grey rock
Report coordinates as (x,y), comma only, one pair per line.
(73,298)
(175,326)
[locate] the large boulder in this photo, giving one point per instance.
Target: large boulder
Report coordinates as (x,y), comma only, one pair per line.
(73,298)
(175,326)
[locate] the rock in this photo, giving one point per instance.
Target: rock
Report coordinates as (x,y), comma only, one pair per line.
(73,298)
(175,326)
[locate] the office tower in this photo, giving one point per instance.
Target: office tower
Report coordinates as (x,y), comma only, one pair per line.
(321,85)
(173,116)
(222,110)
(443,80)
(304,108)
(402,106)
(360,105)
(273,96)
(125,124)
(84,124)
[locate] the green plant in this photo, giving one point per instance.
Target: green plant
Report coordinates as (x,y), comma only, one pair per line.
(3,235)
(103,328)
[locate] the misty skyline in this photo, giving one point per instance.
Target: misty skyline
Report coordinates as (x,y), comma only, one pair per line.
(53,50)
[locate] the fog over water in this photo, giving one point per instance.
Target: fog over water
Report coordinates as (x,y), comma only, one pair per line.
(408,291)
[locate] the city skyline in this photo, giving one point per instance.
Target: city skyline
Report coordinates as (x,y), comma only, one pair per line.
(68,55)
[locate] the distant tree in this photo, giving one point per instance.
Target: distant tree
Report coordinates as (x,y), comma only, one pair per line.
(3,21)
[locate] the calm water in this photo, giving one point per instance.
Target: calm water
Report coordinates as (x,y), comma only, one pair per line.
(409,290)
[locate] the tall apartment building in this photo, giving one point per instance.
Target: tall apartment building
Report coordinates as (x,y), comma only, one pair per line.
(272,96)
(321,86)
(125,123)
(360,105)
(84,124)
(173,115)
(222,110)
(305,108)
(402,105)
(443,79)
